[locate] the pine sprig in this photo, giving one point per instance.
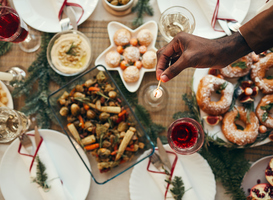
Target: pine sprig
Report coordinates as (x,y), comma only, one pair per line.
(41,74)
(141,7)
(4,47)
(41,176)
(178,189)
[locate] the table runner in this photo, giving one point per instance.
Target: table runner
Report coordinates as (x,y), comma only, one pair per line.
(96,31)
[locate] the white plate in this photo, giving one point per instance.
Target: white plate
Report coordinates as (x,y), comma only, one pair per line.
(143,187)
(10,102)
(238,9)
(14,176)
(112,28)
(216,130)
(255,173)
(40,14)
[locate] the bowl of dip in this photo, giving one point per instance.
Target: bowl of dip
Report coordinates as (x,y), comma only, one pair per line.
(69,53)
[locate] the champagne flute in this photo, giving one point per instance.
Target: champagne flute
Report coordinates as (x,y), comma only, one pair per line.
(12,124)
(13,29)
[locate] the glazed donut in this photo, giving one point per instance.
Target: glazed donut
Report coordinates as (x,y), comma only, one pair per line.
(207,85)
(258,74)
(240,137)
(267,99)
(233,71)
(122,37)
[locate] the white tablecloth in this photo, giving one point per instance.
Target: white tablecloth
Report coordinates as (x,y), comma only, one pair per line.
(118,188)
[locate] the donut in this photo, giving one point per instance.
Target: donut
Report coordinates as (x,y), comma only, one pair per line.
(240,137)
(209,84)
(258,74)
(131,54)
(234,71)
(149,59)
(112,59)
(266,100)
(122,37)
(131,74)
(145,37)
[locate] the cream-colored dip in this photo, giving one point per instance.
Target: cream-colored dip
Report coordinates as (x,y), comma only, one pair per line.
(70,53)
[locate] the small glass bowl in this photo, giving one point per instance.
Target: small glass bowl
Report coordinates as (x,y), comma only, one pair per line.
(174,20)
(98,177)
(189,123)
(64,33)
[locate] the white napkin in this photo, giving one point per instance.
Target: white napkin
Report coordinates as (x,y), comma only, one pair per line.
(213,10)
(267,5)
(160,178)
(76,5)
(56,191)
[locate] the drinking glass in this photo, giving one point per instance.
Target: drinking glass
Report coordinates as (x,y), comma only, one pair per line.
(13,29)
(185,136)
(154,99)
(174,20)
(12,124)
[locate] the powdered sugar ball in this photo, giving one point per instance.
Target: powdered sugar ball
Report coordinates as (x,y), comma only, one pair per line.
(112,59)
(122,37)
(131,54)
(145,37)
(149,59)
(131,74)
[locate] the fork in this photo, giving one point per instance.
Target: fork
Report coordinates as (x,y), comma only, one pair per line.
(27,143)
(234,26)
(156,161)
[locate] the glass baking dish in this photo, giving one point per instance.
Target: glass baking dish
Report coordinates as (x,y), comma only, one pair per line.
(98,176)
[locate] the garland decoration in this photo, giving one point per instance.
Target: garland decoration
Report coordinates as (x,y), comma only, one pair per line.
(152,129)
(39,73)
(4,47)
(225,159)
(141,7)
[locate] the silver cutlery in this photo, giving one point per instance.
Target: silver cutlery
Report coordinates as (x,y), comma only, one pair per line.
(27,143)
(234,26)
(224,25)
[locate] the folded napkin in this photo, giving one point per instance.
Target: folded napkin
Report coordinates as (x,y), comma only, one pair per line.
(60,4)
(214,10)
(159,177)
(267,5)
(56,189)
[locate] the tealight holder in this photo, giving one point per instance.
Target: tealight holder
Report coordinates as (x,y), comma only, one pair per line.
(154,97)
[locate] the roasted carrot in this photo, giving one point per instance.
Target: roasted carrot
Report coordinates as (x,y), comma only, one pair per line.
(114,152)
(122,113)
(81,121)
(92,146)
(86,107)
(72,92)
(130,149)
(93,89)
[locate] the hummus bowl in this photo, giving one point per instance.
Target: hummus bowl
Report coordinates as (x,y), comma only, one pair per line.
(69,53)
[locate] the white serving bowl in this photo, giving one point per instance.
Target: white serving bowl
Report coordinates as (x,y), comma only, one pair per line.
(120,7)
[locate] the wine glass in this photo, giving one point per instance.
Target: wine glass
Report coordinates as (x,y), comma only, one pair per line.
(154,96)
(185,136)
(13,29)
(12,124)
(174,20)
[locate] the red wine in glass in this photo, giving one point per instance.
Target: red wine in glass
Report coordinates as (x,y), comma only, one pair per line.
(12,28)
(185,136)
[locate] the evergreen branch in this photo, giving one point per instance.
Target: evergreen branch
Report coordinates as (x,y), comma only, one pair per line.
(178,189)
(4,47)
(41,176)
(141,7)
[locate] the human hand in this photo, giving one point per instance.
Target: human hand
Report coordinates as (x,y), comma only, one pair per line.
(186,50)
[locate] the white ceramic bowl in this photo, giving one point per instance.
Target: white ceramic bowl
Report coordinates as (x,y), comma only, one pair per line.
(51,43)
(112,28)
(120,7)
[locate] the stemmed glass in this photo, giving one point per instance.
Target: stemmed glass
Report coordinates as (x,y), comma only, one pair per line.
(13,29)
(12,124)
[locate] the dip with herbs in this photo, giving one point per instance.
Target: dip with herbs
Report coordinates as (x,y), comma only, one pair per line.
(71,53)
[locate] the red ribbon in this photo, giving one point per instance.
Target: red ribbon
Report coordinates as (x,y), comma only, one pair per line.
(65,3)
(171,173)
(215,17)
(33,156)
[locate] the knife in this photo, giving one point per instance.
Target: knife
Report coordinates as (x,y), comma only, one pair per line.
(163,155)
(71,15)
